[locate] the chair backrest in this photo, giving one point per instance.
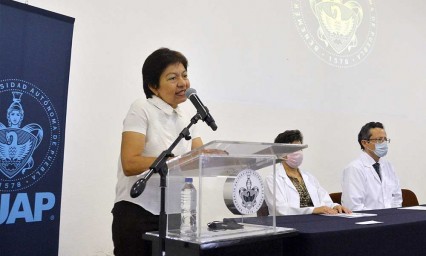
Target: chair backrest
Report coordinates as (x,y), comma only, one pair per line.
(263,210)
(409,198)
(336,197)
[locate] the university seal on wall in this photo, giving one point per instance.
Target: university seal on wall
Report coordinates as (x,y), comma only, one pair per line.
(341,33)
(29,134)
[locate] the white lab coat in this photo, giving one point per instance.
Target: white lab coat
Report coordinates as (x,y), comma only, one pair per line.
(287,197)
(362,188)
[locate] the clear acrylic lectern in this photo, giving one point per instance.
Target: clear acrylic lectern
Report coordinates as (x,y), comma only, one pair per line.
(229,182)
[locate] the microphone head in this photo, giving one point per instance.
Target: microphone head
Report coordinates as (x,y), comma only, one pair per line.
(190,91)
(213,125)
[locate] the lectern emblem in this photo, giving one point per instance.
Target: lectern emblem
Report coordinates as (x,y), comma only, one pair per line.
(341,33)
(247,192)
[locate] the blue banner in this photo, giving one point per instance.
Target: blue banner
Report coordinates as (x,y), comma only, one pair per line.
(35,52)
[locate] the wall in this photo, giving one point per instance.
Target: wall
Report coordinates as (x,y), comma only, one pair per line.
(258,76)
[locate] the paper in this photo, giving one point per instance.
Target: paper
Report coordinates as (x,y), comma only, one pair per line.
(368,222)
(351,215)
(423,208)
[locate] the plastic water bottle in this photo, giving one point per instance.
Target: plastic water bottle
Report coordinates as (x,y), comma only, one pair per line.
(188,206)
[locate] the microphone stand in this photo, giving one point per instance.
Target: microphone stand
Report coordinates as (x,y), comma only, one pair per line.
(159,166)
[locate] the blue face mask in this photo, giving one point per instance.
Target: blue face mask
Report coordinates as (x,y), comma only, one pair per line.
(381,149)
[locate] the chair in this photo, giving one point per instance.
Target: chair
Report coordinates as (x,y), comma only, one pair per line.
(409,198)
(263,210)
(336,197)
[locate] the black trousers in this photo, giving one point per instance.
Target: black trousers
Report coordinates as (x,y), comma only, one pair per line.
(129,222)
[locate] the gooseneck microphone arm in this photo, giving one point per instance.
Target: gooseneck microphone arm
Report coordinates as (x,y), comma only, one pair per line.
(159,166)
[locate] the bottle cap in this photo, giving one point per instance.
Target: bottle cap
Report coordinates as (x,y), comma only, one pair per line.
(188,179)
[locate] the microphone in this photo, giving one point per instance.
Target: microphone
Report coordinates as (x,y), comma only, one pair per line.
(202,110)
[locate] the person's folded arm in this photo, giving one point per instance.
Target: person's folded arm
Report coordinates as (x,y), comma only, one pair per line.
(132,146)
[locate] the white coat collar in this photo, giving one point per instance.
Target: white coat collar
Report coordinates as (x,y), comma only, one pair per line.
(368,162)
(306,179)
(281,173)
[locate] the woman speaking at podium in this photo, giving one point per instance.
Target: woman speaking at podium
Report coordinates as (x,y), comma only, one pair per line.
(297,191)
(150,127)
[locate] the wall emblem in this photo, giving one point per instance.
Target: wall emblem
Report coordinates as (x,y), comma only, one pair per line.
(341,33)
(17,144)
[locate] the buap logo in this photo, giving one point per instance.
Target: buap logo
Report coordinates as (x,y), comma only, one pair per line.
(17,144)
(26,153)
(244,194)
(248,194)
(341,33)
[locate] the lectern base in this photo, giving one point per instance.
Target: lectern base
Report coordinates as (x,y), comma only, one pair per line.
(257,245)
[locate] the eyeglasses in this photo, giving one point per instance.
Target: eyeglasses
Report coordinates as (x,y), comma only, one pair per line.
(380,140)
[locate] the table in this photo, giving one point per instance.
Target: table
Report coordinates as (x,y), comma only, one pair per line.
(403,232)
(258,245)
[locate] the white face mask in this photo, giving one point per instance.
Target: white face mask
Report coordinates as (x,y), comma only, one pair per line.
(294,159)
(381,149)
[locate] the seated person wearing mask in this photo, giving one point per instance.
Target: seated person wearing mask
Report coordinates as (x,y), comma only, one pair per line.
(370,182)
(297,191)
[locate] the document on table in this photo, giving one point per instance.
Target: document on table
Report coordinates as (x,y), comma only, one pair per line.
(368,222)
(422,208)
(351,215)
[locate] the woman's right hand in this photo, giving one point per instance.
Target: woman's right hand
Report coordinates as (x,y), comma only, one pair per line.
(324,210)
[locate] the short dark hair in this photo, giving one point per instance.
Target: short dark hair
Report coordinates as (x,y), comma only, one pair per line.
(155,65)
(289,136)
(365,132)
